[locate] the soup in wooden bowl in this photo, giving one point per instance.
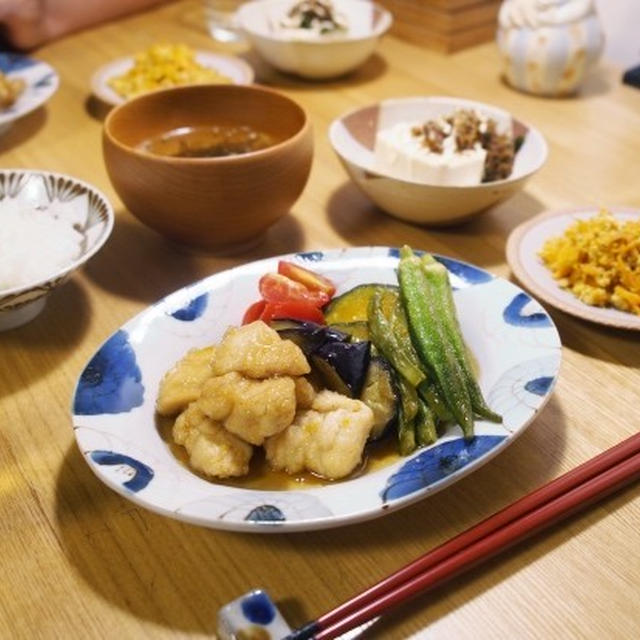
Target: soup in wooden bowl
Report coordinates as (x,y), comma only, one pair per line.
(212,166)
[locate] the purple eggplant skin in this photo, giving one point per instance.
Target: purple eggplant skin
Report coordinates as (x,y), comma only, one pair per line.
(382,395)
(343,365)
(309,336)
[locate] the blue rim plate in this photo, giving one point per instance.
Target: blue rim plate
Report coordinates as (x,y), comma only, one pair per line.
(41,82)
(510,335)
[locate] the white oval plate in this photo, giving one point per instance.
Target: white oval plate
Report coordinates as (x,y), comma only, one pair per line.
(41,82)
(235,68)
(513,339)
(523,245)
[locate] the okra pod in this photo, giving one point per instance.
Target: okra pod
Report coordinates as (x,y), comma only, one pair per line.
(430,338)
(432,396)
(439,277)
(393,346)
(407,414)
(425,424)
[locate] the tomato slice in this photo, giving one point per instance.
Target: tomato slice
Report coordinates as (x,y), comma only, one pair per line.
(291,310)
(274,287)
(310,279)
(254,312)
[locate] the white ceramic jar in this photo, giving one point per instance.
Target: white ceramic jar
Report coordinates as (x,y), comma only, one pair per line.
(547,46)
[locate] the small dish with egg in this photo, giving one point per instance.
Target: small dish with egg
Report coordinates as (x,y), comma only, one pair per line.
(51,225)
(583,261)
(436,160)
(166,65)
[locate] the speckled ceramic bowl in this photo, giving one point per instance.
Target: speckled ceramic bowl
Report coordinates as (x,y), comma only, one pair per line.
(353,138)
(327,56)
(31,189)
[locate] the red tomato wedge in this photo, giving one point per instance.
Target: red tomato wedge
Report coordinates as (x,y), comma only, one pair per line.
(291,310)
(310,279)
(274,287)
(254,312)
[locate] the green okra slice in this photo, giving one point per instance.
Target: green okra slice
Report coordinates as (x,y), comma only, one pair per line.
(429,392)
(407,415)
(430,339)
(426,432)
(397,350)
(439,277)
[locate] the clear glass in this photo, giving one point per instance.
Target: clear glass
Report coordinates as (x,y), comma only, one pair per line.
(217,18)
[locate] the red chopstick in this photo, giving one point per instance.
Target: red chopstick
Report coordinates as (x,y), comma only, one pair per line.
(543,507)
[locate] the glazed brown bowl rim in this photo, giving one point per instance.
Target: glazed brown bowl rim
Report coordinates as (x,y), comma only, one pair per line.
(182,161)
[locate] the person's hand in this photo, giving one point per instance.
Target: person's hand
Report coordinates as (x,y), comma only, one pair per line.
(24,22)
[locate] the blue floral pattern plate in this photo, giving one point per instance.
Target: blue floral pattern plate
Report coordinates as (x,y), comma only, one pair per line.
(510,335)
(41,82)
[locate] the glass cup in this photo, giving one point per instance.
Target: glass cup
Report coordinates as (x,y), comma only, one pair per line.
(217,18)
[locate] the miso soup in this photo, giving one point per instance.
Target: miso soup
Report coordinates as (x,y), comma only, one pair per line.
(208,142)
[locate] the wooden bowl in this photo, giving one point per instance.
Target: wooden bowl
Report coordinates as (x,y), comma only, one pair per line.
(216,203)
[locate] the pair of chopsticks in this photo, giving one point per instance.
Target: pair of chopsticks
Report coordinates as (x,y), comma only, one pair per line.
(560,498)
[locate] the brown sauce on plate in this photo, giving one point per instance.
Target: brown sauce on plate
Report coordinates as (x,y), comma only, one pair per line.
(208,142)
(261,477)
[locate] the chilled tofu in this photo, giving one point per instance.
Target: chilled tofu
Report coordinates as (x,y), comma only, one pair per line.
(402,154)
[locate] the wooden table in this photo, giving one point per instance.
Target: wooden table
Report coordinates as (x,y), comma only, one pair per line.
(80,561)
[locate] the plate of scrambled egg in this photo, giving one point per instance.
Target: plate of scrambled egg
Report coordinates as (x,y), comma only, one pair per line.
(128,395)
(583,261)
(166,65)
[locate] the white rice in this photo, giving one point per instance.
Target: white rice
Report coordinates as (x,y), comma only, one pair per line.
(37,242)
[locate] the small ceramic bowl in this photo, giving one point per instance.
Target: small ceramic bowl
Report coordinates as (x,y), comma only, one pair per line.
(221,204)
(353,139)
(60,196)
(325,56)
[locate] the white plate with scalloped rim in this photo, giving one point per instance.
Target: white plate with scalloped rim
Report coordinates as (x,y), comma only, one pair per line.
(236,69)
(524,245)
(510,335)
(41,82)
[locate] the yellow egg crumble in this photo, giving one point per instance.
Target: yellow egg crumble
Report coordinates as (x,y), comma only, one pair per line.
(598,260)
(164,65)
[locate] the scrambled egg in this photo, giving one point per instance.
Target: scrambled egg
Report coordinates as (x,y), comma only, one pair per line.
(327,439)
(161,66)
(598,260)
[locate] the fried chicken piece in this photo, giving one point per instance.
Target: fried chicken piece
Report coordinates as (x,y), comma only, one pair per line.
(182,383)
(257,351)
(251,409)
(305,393)
(327,439)
(211,448)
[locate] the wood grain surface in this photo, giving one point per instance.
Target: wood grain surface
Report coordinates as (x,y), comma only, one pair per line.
(80,561)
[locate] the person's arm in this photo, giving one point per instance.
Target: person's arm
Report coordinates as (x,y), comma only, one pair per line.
(30,23)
